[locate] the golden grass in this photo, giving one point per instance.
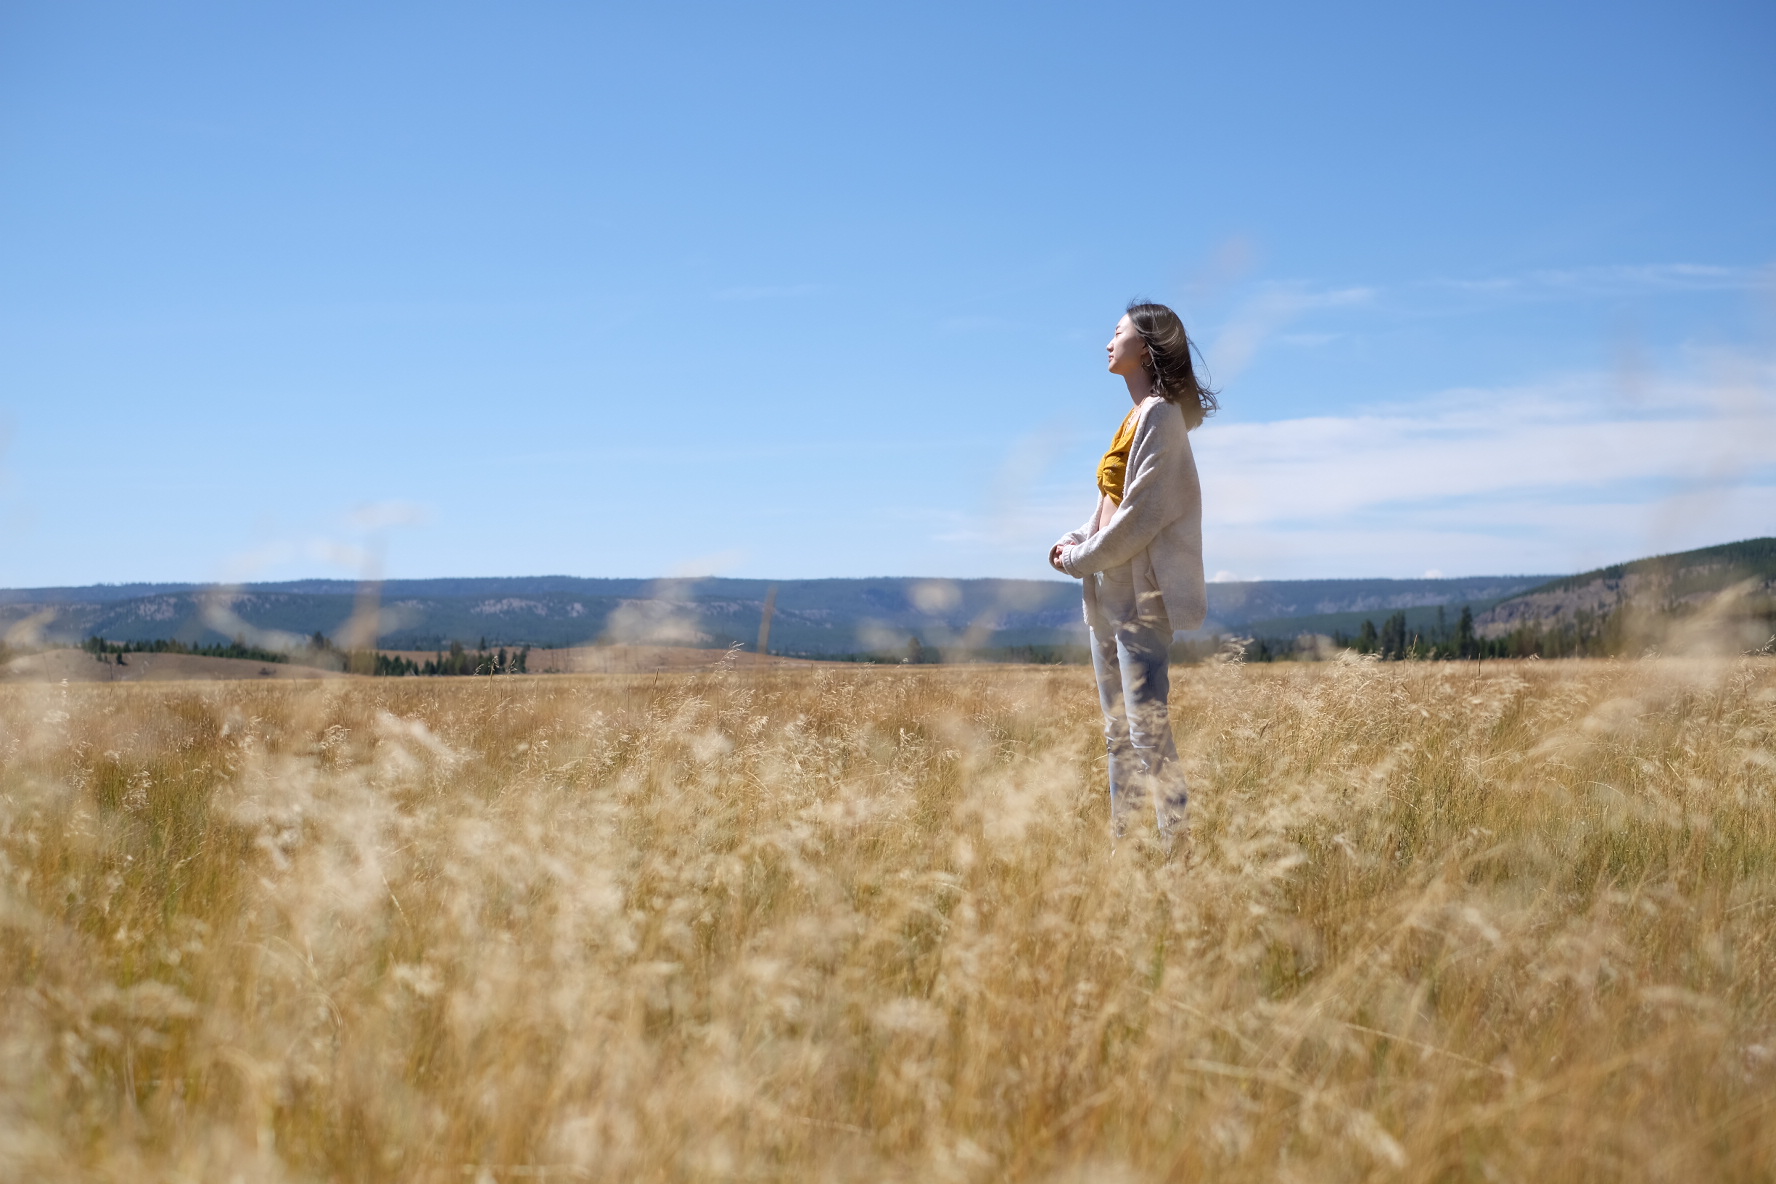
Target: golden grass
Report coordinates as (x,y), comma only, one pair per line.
(1438,923)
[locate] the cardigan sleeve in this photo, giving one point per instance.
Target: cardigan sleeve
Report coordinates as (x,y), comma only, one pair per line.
(1159,466)
(1074,537)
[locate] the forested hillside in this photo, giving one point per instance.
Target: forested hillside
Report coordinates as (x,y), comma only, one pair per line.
(1730,590)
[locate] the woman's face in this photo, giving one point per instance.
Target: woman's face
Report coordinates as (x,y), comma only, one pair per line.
(1128,353)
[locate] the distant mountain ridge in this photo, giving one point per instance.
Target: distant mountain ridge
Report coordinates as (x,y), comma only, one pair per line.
(816,618)
(812,617)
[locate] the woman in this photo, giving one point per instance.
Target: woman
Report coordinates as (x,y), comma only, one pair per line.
(1140,555)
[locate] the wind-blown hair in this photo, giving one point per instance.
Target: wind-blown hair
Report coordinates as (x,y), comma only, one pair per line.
(1169,365)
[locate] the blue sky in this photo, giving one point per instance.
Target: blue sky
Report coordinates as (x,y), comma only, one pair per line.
(822,290)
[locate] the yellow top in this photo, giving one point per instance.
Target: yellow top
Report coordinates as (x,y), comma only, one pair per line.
(1113,469)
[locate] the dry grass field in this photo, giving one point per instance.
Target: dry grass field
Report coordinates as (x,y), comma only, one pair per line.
(621,659)
(80,666)
(1437,922)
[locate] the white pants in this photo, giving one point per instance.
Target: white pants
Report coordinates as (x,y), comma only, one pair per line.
(1131,642)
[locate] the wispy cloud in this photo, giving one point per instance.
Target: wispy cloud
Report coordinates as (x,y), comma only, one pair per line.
(1563,468)
(353,543)
(1617,280)
(1264,316)
(1266,312)
(975,324)
(383,515)
(1554,476)
(767,291)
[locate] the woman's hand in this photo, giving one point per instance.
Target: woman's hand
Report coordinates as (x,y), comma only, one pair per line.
(1054,557)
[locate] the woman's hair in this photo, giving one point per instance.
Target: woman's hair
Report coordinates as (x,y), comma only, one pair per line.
(1169,367)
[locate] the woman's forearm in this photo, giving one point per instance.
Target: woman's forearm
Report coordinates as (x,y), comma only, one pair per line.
(1161,488)
(1131,530)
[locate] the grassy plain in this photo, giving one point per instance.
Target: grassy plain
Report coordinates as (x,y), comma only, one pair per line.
(1437,922)
(79,666)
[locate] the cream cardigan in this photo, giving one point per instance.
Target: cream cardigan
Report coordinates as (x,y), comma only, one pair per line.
(1158,526)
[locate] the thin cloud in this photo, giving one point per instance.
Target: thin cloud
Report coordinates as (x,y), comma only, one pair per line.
(975,324)
(1544,441)
(1266,313)
(1617,280)
(767,291)
(383,515)
(1554,476)
(1555,469)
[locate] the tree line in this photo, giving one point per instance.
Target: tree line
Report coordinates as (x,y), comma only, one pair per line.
(1395,642)
(238,648)
(459,660)
(1587,633)
(320,650)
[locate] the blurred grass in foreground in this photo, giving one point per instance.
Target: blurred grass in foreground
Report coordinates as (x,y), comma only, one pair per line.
(1441,922)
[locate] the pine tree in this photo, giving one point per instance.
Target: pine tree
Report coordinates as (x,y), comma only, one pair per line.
(1393,636)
